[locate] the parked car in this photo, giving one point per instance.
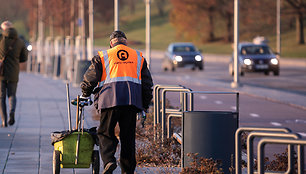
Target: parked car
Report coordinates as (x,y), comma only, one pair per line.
(182,55)
(255,58)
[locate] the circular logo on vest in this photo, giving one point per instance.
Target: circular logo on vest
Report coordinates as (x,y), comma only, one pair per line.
(122,55)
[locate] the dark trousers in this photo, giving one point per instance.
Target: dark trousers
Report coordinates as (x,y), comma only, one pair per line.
(7,88)
(126,117)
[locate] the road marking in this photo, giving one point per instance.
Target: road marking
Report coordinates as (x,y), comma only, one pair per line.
(275,124)
(233,107)
(296,121)
(218,102)
(203,97)
(254,115)
(187,77)
(303,134)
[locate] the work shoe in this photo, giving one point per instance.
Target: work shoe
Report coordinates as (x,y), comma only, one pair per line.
(109,168)
(12,119)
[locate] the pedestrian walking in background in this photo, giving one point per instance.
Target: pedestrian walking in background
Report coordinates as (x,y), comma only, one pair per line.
(12,52)
(122,86)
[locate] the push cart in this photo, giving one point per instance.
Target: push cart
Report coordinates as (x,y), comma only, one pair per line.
(75,148)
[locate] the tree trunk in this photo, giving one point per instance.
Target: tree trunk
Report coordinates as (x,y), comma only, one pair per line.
(211,25)
(299,28)
(229,25)
(160,6)
(132,6)
(72,18)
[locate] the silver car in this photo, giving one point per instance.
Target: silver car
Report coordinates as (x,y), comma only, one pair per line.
(255,58)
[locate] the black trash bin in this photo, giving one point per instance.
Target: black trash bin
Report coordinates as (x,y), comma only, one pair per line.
(211,134)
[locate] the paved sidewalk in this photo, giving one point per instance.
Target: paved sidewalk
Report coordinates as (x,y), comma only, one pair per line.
(26,146)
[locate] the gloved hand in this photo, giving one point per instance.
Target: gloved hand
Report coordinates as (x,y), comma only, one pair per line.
(143,118)
(87,100)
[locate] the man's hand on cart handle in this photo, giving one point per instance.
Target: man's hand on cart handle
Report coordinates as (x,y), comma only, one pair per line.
(84,101)
(143,118)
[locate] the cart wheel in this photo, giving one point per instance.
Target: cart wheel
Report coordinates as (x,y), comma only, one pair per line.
(95,162)
(56,162)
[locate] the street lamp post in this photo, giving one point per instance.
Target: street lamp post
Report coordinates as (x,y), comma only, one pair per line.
(278,29)
(235,83)
(116,15)
(148,32)
(91,30)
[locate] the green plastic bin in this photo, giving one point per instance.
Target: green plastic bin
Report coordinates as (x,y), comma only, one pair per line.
(67,149)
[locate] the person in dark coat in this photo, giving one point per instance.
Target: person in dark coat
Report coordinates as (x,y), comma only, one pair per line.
(123,87)
(12,52)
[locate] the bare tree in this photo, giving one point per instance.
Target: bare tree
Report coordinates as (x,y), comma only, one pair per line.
(299,7)
(32,7)
(131,4)
(105,10)
(226,10)
(12,10)
(160,6)
(194,18)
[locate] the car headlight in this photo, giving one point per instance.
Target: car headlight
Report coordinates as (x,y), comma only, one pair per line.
(179,58)
(247,61)
(29,47)
(274,61)
(198,58)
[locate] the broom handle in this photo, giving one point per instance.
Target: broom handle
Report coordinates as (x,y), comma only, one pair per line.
(77,113)
(68,106)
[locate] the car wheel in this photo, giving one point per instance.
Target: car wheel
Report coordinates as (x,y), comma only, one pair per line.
(266,73)
(276,73)
(201,68)
(241,73)
(172,68)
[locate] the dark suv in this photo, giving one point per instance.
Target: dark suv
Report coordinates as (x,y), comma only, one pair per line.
(255,58)
(182,55)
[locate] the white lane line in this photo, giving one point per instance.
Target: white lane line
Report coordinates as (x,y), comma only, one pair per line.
(254,115)
(296,121)
(300,121)
(218,102)
(275,124)
(303,134)
(203,97)
(233,107)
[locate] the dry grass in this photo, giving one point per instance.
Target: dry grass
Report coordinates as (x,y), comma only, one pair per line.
(152,152)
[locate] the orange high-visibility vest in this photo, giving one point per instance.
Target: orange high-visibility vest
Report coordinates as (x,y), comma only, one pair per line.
(121,78)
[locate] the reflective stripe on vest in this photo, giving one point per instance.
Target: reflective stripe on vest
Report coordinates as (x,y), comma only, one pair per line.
(109,79)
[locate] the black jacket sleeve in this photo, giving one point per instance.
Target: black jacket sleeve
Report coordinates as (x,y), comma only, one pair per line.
(92,76)
(23,53)
(147,85)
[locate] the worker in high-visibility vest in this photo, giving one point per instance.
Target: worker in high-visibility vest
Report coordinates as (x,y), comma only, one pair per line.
(122,86)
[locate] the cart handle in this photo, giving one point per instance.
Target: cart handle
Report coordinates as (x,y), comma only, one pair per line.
(82,102)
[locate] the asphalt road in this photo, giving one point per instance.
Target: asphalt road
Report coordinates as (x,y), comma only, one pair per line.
(254,110)
(261,101)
